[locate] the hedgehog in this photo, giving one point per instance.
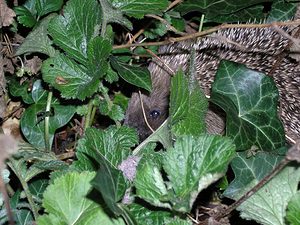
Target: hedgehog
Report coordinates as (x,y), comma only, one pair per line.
(256,48)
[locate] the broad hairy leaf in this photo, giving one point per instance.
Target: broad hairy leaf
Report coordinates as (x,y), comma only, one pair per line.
(73,30)
(188,106)
(191,165)
(75,80)
(250,101)
(267,206)
(135,75)
(293,210)
(37,40)
(33,123)
(113,144)
(20,90)
(65,202)
(282,11)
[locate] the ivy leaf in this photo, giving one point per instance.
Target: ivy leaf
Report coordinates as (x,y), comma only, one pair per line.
(73,30)
(250,101)
(38,40)
(188,106)
(267,206)
(215,6)
(44,7)
(138,8)
(191,166)
(20,90)
(282,11)
(33,125)
(65,202)
(132,74)
(113,144)
(293,209)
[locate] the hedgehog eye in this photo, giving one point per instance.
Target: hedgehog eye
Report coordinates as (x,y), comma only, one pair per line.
(155,114)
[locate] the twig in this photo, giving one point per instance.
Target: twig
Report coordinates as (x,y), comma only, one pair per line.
(6,201)
(173,4)
(209,31)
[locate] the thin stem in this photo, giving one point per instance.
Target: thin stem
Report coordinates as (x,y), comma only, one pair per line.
(28,194)
(88,115)
(47,117)
(206,32)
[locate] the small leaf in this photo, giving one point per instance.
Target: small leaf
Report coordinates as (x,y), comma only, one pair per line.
(132,74)
(65,202)
(20,90)
(293,209)
(250,101)
(114,112)
(25,17)
(73,30)
(38,40)
(188,106)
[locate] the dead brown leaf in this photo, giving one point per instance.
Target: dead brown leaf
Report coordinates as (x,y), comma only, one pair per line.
(6,14)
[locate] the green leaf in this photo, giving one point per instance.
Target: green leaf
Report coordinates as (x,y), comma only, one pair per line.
(215,6)
(32,122)
(44,7)
(195,163)
(282,11)
(70,78)
(113,144)
(267,206)
(20,90)
(113,15)
(38,187)
(98,52)
(293,209)
(113,111)
(250,101)
(191,166)
(151,186)
(38,40)
(65,202)
(25,16)
(249,171)
(109,181)
(138,8)
(73,30)
(132,74)
(144,215)
(188,106)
